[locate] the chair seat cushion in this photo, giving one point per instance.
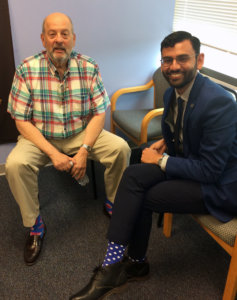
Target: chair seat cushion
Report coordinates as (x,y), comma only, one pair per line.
(226,231)
(130,121)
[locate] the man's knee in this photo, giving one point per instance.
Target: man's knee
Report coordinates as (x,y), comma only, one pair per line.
(144,175)
(13,165)
(16,165)
(121,149)
(132,174)
(124,147)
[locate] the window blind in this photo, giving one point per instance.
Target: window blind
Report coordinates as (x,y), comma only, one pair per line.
(214,22)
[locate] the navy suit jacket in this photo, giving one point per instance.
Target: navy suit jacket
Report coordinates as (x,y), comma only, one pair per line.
(209,145)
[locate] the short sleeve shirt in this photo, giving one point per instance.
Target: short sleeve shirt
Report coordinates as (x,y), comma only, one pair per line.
(59,108)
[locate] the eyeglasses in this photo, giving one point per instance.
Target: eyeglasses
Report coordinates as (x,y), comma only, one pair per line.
(180,59)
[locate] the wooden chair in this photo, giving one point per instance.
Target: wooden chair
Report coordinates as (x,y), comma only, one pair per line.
(141,125)
(225,234)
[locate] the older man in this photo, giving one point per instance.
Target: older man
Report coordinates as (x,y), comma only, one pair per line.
(59,102)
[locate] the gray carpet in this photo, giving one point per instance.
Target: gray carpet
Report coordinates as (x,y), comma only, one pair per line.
(190,265)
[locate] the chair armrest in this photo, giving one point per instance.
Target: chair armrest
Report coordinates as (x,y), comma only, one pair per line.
(145,122)
(128,90)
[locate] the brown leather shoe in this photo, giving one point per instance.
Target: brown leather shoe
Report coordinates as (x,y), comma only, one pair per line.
(33,248)
(105,281)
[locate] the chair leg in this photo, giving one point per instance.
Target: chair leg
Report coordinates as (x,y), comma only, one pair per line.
(231,281)
(93,178)
(160,220)
(168,217)
(112,127)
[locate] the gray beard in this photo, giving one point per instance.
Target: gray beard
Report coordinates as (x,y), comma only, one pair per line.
(59,61)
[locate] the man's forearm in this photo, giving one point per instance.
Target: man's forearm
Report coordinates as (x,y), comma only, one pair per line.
(92,132)
(93,129)
(31,133)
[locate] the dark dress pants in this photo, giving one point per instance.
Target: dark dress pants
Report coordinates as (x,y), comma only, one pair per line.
(143,189)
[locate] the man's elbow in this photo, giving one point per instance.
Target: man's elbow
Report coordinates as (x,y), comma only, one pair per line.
(211,177)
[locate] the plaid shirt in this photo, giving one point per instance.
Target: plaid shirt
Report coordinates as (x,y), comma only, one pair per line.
(58,108)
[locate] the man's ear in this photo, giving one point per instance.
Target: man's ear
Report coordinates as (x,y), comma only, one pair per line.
(42,39)
(200,61)
(74,39)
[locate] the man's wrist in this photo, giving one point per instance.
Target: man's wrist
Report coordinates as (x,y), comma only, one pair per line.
(87,147)
(159,161)
(162,161)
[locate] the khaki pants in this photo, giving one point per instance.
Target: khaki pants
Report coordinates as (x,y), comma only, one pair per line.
(25,160)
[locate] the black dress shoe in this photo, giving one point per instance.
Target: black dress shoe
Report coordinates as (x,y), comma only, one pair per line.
(136,270)
(33,247)
(105,281)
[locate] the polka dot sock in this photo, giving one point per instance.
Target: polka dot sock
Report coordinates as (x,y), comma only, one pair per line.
(137,260)
(38,228)
(114,254)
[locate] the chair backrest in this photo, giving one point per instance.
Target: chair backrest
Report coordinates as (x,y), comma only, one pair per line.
(217,76)
(160,86)
(228,82)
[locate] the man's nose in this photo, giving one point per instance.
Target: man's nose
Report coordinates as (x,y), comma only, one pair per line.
(174,65)
(59,38)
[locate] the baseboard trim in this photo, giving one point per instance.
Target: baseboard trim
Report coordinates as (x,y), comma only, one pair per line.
(2,169)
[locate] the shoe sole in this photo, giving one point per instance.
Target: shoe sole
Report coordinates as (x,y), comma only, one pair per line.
(140,278)
(116,290)
(123,287)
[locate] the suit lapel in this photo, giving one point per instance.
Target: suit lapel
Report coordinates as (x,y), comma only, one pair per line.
(192,102)
(168,119)
(193,98)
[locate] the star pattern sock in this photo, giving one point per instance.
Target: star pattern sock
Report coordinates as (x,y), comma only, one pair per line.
(114,254)
(38,228)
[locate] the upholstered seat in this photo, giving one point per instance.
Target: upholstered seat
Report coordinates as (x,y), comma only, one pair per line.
(140,125)
(130,121)
(225,231)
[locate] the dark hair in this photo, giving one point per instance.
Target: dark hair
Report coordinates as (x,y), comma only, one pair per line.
(180,36)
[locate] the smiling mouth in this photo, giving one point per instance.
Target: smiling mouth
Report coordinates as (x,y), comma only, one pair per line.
(175,75)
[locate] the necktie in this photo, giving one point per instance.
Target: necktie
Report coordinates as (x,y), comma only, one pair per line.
(177,125)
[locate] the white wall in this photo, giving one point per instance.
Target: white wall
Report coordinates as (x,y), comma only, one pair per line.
(123,36)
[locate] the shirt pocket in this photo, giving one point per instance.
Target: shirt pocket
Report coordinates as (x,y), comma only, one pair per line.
(79,103)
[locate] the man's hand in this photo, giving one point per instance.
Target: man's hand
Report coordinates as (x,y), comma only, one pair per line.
(150,156)
(61,161)
(79,164)
(159,146)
